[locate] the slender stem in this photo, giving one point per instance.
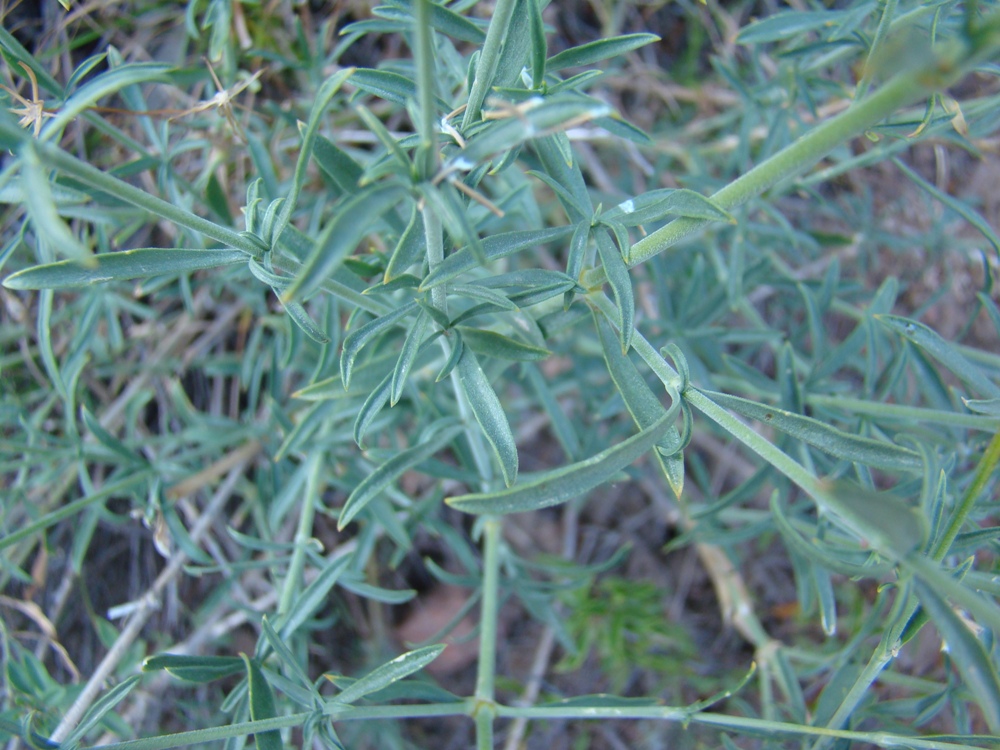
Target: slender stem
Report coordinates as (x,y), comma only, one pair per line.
(800,155)
(488,59)
(492,527)
(485,703)
(424,54)
(293,578)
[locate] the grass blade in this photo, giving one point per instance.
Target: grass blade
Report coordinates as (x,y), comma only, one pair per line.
(262,705)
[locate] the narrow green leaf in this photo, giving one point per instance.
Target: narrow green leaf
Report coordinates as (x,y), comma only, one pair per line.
(483,294)
(658,204)
(313,597)
(457,347)
(286,657)
(495,247)
(448,22)
(97,88)
(621,286)
(414,337)
(539,51)
(990,407)
(262,705)
(943,351)
(42,210)
(100,708)
(489,413)
(320,102)
(787,24)
(357,340)
(304,321)
(439,436)
(392,87)
(370,409)
(410,248)
(194,668)
(336,164)
(355,218)
(642,404)
(108,440)
(557,486)
(492,344)
(382,133)
(602,49)
(867,451)
(390,672)
(128,264)
(967,651)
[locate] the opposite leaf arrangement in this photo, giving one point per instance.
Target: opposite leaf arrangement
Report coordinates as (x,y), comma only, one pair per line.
(410,311)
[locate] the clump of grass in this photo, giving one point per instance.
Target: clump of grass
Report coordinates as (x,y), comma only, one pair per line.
(274,336)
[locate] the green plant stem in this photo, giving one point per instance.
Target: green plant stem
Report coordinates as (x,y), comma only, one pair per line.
(53,156)
(492,528)
(799,156)
(293,578)
(424,54)
(489,56)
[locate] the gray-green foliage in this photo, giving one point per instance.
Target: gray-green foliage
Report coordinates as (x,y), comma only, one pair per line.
(396,306)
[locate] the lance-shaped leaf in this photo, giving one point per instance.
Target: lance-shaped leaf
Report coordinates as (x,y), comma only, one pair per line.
(392,87)
(355,218)
(100,709)
(100,86)
(356,341)
(194,668)
(390,672)
(838,443)
(495,247)
(407,355)
(621,286)
(489,413)
(539,51)
(788,24)
(943,351)
(658,204)
(370,487)
(558,486)
(128,264)
(312,597)
(602,49)
(493,344)
(410,248)
(262,705)
(336,164)
(446,21)
(966,651)
(322,99)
